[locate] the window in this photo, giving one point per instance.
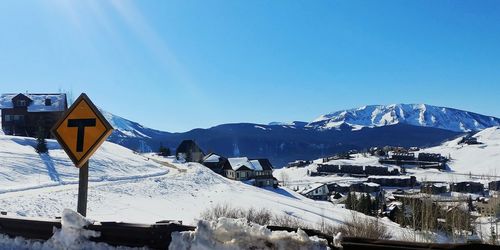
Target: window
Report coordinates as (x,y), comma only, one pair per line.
(237,175)
(21,103)
(48,102)
(18,117)
(8,118)
(243,174)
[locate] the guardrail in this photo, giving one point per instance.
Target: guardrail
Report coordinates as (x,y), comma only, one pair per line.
(158,236)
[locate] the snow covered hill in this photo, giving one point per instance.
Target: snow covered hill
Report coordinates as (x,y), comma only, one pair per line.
(478,159)
(478,163)
(125,186)
(411,114)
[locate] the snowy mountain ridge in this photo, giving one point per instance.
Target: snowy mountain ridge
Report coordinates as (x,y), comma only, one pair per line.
(410,114)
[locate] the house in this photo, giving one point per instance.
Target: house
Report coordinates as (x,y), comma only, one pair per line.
(244,169)
(494,186)
(339,187)
(317,191)
(367,187)
(430,157)
(394,181)
(26,114)
(215,162)
(189,151)
(298,164)
(467,187)
(433,188)
(402,156)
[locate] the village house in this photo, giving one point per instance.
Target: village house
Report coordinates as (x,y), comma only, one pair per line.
(27,114)
(433,188)
(402,156)
(394,181)
(339,187)
(366,187)
(317,191)
(494,186)
(189,151)
(467,187)
(244,169)
(214,162)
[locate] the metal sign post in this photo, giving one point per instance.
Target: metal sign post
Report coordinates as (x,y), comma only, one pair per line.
(80,132)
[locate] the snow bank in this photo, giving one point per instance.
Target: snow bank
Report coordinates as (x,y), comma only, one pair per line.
(72,235)
(232,234)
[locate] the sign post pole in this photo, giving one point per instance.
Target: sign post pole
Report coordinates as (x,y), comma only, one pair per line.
(80,131)
(83,184)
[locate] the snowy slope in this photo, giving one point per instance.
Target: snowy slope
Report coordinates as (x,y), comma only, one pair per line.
(476,159)
(128,187)
(479,163)
(411,114)
(22,168)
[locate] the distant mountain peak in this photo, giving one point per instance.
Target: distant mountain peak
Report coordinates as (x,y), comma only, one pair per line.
(412,114)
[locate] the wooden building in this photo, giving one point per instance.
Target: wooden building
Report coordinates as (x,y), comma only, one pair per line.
(318,191)
(189,151)
(467,187)
(215,162)
(27,114)
(244,169)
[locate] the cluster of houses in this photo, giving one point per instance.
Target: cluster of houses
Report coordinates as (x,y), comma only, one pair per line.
(408,159)
(29,114)
(258,172)
(353,170)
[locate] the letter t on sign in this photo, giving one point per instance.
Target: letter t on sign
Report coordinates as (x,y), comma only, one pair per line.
(80,124)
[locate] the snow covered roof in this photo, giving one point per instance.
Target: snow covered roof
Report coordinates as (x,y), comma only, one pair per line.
(212,158)
(311,188)
(38,102)
(255,165)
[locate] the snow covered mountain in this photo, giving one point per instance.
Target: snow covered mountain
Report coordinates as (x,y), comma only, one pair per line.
(411,114)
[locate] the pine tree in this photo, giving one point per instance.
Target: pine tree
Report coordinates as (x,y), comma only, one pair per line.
(348,201)
(41,146)
(164,151)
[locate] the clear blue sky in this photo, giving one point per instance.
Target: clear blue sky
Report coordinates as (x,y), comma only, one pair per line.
(179,65)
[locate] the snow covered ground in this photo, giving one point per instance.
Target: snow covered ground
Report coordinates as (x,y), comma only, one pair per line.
(469,162)
(125,186)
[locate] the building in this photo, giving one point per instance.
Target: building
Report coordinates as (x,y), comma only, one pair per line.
(467,187)
(494,186)
(402,156)
(215,162)
(433,188)
(318,191)
(366,187)
(27,114)
(244,169)
(189,151)
(394,181)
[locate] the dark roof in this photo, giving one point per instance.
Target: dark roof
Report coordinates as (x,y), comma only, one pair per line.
(188,146)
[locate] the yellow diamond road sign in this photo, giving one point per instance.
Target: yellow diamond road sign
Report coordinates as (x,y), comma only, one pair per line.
(81,130)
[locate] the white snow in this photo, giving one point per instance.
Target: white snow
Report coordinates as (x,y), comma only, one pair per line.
(238,162)
(58,102)
(233,234)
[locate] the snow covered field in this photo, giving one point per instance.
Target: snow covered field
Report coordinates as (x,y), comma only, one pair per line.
(128,187)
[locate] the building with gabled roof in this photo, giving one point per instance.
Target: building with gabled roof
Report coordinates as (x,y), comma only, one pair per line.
(243,169)
(189,151)
(25,114)
(215,162)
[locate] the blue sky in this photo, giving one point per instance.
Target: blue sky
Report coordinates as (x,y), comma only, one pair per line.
(179,65)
